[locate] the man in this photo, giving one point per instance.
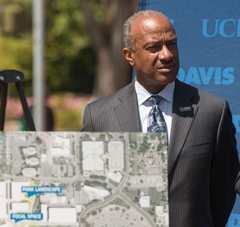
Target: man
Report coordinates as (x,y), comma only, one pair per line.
(202,156)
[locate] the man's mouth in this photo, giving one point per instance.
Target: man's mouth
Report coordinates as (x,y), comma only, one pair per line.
(166,67)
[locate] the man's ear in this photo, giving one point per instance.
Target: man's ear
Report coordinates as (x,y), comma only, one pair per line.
(128,54)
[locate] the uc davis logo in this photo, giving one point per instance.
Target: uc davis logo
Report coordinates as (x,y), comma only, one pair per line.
(204,75)
(226,28)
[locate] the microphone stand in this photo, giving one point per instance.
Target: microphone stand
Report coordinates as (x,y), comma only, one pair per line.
(14,76)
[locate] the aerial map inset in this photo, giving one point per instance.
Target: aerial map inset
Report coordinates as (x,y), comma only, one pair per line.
(79,179)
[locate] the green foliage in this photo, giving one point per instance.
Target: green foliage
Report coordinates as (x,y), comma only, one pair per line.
(70,59)
(16,54)
(97,177)
(159,198)
(95,184)
(133,194)
(71,120)
(144,145)
(119,202)
(98,10)
(86,137)
(114,183)
(27,5)
(102,137)
(69,56)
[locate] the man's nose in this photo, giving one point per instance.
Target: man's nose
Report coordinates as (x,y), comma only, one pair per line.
(165,54)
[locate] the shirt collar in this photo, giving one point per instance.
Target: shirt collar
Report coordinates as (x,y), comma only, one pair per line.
(143,94)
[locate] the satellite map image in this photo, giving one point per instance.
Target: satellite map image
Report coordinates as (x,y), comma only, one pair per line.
(79,179)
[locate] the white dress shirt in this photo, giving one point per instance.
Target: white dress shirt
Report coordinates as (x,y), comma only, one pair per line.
(166,105)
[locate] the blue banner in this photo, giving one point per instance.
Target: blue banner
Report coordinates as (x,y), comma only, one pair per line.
(208,40)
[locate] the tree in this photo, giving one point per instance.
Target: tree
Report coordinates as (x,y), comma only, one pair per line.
(71,62)
(70,59)
(104,20)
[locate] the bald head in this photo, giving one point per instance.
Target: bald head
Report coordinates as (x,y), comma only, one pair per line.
(134,22)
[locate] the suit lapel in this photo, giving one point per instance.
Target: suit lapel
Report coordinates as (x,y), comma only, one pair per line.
(181,120)
(127,110)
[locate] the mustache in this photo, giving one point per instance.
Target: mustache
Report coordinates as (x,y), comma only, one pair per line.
(164,62)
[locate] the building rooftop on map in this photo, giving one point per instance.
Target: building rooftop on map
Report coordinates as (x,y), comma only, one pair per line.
(61,146)
(161,211)
(99,192)
(144,201)
(92,151)
(29,172)
(31,150)
(32,161)
(16,188)
(116,158)
(52,198)
(62,214)
(115,176)
(44,211)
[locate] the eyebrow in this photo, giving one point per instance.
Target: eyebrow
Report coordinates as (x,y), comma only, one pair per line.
(156,42)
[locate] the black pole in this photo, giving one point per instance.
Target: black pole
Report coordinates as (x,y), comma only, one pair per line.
(3,93)
(27,113)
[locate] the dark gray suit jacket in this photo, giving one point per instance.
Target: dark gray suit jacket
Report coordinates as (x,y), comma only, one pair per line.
(202,155)
(237,185)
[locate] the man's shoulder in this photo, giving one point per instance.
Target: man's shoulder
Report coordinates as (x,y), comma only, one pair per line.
(202,95)
(115,97)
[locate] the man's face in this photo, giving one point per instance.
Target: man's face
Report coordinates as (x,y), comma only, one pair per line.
(156,57)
